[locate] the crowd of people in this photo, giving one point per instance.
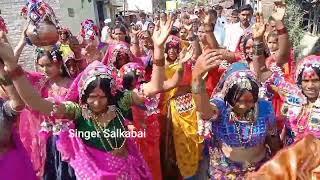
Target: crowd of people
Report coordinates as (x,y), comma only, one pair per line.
(214,97)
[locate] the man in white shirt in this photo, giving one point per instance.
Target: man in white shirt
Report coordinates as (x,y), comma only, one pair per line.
(219,28)
(234,18)
(105,31)
(222,20)
(143,23)
(235,31)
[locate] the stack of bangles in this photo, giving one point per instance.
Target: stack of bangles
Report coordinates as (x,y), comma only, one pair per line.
(16,73)
(159,62)
(198,88)
(258,49)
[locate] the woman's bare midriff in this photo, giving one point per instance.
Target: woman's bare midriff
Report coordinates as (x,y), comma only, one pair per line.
(245,155)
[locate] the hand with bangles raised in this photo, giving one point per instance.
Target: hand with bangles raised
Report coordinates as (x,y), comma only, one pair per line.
(162,31)
(207,16)
(259,28)
(206,61)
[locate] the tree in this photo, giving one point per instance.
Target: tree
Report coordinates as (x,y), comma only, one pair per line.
(294,20)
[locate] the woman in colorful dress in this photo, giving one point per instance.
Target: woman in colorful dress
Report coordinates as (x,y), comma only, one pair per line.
(301,106)
(178,108)
(53,84)
(99,110)
(119,54)
(89,39)
(281,55)
(147,117)
(13,156)
(242,125)
(64,42)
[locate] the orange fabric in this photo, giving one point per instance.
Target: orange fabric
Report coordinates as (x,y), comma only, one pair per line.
(299,161)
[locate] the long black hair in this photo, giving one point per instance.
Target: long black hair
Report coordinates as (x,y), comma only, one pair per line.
(128,80)
(104,85)
(236,91)
(52,56)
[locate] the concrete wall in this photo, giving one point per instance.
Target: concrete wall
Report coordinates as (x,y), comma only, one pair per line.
(10,11)
(81,12)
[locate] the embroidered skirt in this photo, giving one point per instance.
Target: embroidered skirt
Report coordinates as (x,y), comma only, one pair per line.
(222,168)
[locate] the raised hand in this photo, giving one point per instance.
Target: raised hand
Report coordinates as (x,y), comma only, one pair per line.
(279,10)
(259,28)
(135,30)
(185,55)
(6,51)
(207,16)
(162,31)
(207,61)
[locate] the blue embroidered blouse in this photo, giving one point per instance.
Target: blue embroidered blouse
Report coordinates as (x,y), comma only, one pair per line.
(226,131)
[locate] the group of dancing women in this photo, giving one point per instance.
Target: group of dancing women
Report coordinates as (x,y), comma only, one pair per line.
(204,112)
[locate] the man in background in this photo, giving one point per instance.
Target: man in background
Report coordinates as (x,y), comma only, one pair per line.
(105,32)
(235,31)
(143,23)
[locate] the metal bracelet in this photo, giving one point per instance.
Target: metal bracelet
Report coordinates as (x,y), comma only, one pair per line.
(159,62)
(198,88)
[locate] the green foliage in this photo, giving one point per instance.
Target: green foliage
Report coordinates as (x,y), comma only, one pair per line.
(293,21)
